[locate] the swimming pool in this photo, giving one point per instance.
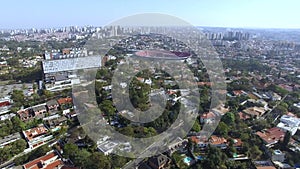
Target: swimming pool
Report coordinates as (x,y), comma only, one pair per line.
(187,160)
(199,157)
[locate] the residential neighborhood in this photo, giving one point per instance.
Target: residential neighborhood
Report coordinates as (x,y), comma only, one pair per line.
(226,98)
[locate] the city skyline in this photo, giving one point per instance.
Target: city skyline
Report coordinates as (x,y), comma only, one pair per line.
(245,14)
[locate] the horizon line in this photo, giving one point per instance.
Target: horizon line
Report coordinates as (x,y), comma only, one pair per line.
(198,26)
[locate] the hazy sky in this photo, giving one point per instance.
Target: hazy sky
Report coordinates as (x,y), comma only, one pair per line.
(221,13)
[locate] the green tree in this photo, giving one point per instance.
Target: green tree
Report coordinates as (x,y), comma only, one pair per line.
(222,129)
(229,118)
(196,127)
(108,109)
(98,160)
(255,152)
(286,139)
(69,150)
(18,97)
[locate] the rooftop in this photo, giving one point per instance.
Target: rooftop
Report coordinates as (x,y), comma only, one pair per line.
(255,111)
(215,140)
(35,132)
(49,161)
(64,100)
(271,135)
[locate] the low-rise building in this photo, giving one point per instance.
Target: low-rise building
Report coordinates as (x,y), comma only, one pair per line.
(37,136)
(9,139)
(65,103)
(255,112)
(264,165)
(25,114)
(207,117)
(159,162)
(271,136)
(49,161)
(218,142)
(107,147)
(289,123)
(39,110)
(55,122)
(52,105)
(243,116)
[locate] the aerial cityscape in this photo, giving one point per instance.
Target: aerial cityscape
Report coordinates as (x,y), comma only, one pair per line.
(119,88)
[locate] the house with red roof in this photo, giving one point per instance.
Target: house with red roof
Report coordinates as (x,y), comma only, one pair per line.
(67,100)
(49,161)
(243,116)
(271,136)
(220,142)
(37,136)
(239,92)
(208,117)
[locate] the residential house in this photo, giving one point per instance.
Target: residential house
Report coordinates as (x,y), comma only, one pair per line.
(243,116)
(52,105)
(159,162)
(9,139)
(201,142)
(289,123)
(255,112)
(26,114)
(264,165)
(37,136)
(239,92)
(271,136)
(49,161)
(55,122)
(218,142)
(106,147)
(39,110)
(221,109)
(275,97)
(177,144)
(209,117)
(65,103)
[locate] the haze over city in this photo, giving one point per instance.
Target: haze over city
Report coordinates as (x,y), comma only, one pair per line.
(215,13)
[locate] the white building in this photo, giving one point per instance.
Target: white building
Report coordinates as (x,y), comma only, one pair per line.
(289,123)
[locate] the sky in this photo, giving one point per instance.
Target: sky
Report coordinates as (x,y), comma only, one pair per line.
(216,13)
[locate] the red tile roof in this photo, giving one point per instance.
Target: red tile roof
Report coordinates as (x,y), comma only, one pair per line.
(215,140)
(271,135)
(64,100)
(5,103)
(41,162)
(243,116)
(238,92)
(208,115)
(34,132)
